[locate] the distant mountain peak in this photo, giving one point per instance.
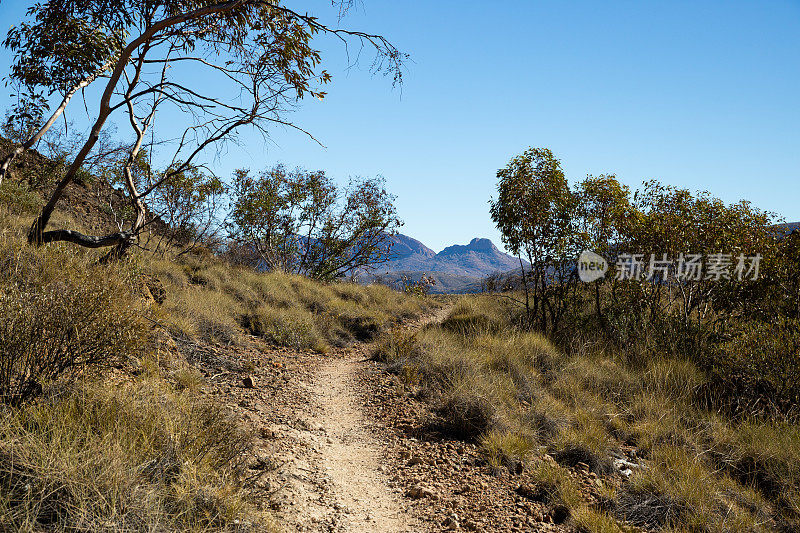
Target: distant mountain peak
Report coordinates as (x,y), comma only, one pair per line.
(477,245)
(482,244)
(473,261)
(404,246)
(457,268)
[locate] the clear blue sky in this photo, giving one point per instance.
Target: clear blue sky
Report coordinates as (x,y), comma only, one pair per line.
(704,95)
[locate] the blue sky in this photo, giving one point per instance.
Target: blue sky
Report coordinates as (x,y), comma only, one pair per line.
(704,95)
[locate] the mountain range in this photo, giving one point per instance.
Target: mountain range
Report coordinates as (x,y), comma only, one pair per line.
(457,268)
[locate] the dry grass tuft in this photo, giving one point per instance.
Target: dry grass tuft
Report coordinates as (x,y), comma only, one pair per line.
(210,301)
(140,456)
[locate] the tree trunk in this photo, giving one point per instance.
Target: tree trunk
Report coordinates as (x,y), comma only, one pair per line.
(7,160)
(601,317)
(37,235)
(525,284)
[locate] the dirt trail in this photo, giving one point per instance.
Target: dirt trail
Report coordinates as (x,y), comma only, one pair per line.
(351,456)
(328,473)
(342,446)
(332,476)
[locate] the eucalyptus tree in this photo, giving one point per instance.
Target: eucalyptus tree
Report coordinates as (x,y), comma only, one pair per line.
(535,211)
(678,224)
(604,217)
(250,62)
(302,222)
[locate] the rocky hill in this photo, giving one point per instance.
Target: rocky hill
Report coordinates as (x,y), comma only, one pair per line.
(456,269)
(404,246)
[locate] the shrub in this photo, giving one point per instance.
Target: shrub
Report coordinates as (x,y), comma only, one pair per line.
(674,378)
(466,413)
(285,327)
(507,448)
(421,287)
(757,372)
(472,317)
(111,457)
(574,454)
(555,484)
(18,199)
(679,490)
(397,346)
(60,314)
(764,456)
(362,323)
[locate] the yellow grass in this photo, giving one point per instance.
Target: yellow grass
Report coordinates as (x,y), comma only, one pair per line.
(516,394)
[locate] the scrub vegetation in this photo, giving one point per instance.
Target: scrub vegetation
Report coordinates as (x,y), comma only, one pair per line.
(688,386)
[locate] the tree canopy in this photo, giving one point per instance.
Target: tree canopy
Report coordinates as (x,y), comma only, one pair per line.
(302,222)
(259,54)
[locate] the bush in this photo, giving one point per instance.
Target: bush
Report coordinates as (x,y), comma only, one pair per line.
(757,372)
(60,314)
(111,457)
(397,346)
(573,455)
(362,323)
(764,456)
(473,317)
(467,414)
(679,492)
(507,448)
(421,287)
(19,199)
(291,327)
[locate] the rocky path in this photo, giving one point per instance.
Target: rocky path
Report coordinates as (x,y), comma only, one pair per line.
(333,473)
(350,456)
(324,458)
